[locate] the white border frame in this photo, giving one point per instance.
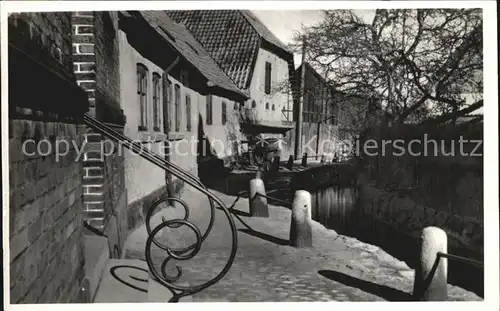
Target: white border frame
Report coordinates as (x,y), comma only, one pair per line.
(491,195)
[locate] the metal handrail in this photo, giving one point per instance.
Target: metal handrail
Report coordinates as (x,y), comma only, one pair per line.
(274,199)
(93,229)
(439,255)
(179,254)
(466,260)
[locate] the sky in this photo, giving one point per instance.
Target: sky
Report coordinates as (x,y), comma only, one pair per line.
(285,23)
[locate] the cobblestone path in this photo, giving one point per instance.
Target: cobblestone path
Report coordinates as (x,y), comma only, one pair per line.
(336,268)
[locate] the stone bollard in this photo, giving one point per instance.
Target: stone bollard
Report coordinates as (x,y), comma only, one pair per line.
(289,164)
(304,160)
(258,204)
(300,228)
(433,240)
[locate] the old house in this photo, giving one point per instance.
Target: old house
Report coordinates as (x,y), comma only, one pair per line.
(329,117)
(176,100)
(255,60)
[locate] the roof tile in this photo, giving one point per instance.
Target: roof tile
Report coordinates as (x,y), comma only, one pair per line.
(231,37)
(184,42)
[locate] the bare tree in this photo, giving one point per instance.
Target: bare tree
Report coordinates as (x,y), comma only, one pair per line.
(420,62)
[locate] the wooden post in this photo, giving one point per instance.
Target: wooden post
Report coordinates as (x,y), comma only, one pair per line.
(304,160)
(289,164)
(298,122)
(276,164)
(432,288)
(257,203)
(300,228)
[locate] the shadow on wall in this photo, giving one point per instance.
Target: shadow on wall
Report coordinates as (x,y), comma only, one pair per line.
(210,167)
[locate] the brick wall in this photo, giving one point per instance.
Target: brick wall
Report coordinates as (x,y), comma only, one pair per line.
(107,63)
(96,62)
(83,54)
(45,227)
(96,66)
(46,249)
(45,37)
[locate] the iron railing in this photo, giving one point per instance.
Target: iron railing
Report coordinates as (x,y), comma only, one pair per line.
(285,203)
(428,280)
(181,254)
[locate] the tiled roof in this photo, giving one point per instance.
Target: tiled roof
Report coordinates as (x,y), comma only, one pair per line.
(232,38)
(263,31)
(184,42)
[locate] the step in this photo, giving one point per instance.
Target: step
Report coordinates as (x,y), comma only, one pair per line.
(132,285)
(93,156)
(96,255)
(92,137)
(90,172)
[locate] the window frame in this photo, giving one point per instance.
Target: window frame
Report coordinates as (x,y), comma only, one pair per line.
(142,73)
(209,107)
(267,78)
(167,104)
(224,113)
(177,107)
(157,101)
(188,113)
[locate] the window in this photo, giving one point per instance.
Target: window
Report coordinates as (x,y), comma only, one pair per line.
(267,81)
(224,113)
(156,101)
(236,106)
(273,107)
(267,106)
(177,108)
(254,104)
(167,104)
(209,110)
(188,113)
(142,95)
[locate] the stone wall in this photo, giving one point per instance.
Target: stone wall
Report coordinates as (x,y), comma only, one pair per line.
(424,171)
(408,217)
(400,193)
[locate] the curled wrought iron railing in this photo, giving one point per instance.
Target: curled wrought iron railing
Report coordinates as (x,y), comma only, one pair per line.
(180,254)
